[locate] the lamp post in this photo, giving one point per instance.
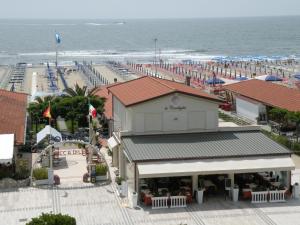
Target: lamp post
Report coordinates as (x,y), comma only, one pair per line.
(155,42)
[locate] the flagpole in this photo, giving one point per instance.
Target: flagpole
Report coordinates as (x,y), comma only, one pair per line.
(89,120)
(51,159)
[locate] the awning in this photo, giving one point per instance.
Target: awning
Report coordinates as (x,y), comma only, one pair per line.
(214,166)
(48,130)
(112,143)
(6,148)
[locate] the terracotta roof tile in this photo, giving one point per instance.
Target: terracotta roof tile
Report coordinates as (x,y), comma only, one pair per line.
(104,93)
(13,114)
(147,88)
(270,94)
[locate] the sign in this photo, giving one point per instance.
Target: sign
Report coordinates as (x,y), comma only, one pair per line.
(71,152)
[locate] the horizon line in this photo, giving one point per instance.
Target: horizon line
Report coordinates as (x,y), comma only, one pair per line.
(150,18)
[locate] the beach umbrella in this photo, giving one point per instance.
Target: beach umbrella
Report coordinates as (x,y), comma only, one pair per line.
(297,76)
(214,81)
(272,78)
(241,78)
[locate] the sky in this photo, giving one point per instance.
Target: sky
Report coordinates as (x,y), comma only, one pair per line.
(128,9)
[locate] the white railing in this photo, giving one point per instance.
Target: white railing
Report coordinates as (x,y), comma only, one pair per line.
(259,197)
(277,196)
(178,201)
(159,202)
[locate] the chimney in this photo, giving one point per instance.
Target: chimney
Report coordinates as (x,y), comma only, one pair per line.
(115,80)
(188,80)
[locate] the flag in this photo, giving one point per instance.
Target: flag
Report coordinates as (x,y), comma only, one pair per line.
(92,111)
(47,112)
(57,37)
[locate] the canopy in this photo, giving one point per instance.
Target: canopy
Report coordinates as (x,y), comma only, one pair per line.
(6,148)
(297,76)
(214,81)
(48,130)
(214,166)
(241,78)
(269,78)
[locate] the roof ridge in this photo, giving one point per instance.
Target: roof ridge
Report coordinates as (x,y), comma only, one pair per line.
(21,93)
(156,80)
(125,82)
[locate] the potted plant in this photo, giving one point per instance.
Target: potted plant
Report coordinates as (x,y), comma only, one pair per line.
(119,181)
(200,191)
(296,191)
(101,172)
(134,199)
(40,176)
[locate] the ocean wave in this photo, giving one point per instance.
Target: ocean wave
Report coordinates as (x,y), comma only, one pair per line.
(104,24)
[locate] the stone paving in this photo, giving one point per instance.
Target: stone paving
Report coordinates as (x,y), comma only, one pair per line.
(100,205)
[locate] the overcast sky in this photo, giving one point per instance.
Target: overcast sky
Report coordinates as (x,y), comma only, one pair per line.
(122,9)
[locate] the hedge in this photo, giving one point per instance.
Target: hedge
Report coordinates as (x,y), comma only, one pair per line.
(52,219)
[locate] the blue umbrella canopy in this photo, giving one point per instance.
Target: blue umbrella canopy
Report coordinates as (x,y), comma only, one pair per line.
(272,78)
(214,81)
(297,76)
(242,78)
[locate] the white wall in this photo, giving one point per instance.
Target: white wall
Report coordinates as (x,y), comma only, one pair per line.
(158,115)
(248,109)
(122,116)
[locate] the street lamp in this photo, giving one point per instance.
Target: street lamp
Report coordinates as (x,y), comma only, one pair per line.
(155,42)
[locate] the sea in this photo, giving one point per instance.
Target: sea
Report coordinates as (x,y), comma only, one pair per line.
(261,38)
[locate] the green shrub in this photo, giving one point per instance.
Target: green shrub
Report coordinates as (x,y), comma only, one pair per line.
(101,169)
(119,180)
(40,174)
(52,219)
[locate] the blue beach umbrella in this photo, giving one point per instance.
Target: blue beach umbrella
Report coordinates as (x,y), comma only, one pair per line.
(297,76)
(214,81)
(272,78)
(241,78)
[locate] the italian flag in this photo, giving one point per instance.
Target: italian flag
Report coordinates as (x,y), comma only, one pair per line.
(92,111)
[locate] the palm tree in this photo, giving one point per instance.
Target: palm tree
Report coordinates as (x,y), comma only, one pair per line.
(80,91)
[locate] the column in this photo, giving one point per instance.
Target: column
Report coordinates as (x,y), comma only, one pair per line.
(195,183)
(231,176)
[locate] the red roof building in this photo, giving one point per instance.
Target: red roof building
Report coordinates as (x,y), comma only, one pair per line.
(267,93)
(13,114)
(148,88)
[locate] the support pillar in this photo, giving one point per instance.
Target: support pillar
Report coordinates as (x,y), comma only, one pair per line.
(195,183)
(231,176)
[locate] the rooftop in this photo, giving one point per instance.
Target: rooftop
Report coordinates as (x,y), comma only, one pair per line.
(268,93)
(13,114)
(103,92)
(201,146)
(147,88)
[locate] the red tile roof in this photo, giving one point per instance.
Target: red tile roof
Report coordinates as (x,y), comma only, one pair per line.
(147,88)
(270,94)
(13,114)
(103,92)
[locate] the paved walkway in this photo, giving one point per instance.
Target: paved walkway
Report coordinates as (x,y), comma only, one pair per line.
(62,124)
(100,205)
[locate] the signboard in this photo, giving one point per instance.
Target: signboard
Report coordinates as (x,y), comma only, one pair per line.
(71,152)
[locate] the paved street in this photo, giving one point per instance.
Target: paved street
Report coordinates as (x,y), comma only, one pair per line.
(99,204)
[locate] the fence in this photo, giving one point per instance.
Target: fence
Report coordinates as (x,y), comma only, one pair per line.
(277,196)
(265,196)
(178,201)
(159,202)
(259,197)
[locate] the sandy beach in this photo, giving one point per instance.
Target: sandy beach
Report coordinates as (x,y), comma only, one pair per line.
(108,73)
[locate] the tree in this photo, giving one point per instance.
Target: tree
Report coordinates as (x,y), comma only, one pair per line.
(279,115)
(80,91)
(294,117)
(52,219)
